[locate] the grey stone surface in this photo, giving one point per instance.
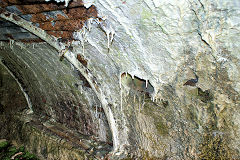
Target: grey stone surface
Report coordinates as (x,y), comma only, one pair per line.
(167,43)
(55,88)
(163,44)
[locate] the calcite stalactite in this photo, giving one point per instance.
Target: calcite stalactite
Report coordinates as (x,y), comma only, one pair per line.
(160,42)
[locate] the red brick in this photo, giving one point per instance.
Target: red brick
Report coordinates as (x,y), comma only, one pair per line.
(68,25)
(62,34)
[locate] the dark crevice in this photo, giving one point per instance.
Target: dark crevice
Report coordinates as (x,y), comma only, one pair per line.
(204,40)
(137,84)
(201,5)
(82,60)
(205,96)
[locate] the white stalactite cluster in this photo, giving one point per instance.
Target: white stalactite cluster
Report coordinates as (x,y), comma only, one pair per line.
(52,41)
(108,29)
(11,41)
(58,1)
(127,82)
(104,24)
(158,41)
(154,39)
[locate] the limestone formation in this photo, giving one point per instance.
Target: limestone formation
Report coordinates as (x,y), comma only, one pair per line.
(136,57)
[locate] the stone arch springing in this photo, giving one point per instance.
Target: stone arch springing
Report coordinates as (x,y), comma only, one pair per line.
(57,46)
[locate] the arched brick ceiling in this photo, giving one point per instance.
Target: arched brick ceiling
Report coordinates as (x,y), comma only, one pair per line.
(54,18)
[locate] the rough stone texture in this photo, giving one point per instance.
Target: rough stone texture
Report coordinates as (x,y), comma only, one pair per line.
(162,45)
(56,88)
(46,138)
(51,140)
(54,18)
(167,43)
(11,97)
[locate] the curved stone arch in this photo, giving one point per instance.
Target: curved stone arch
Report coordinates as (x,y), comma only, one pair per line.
(59,47)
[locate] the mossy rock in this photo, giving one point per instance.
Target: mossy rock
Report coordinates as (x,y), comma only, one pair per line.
(161,127)
(204,96)
(215,147)
(7,152)
(3,144)
(151,110)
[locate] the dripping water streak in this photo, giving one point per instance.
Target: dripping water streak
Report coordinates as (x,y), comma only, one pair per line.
(11,41)
(112,35)
(96,111)
(139,104)
(121,98)
(81,89)
(143,101)
(108,39)
(114,130)
(120,83)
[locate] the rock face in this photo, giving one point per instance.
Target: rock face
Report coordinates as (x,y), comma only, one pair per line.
(165,44)
(63,134)
(166,74)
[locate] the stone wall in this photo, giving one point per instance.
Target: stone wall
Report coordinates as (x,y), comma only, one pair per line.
(56,89)
(185,53)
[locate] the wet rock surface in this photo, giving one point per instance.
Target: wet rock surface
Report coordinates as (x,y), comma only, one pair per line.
(42,135)
(52,140)
(164,73)
(9,151)
(11,97)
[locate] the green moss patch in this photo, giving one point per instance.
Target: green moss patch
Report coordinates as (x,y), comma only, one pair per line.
(8,151)
(161,127)
(3,144)
(215,147)
(151,110)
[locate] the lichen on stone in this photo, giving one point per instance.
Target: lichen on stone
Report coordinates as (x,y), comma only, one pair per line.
(215,146)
